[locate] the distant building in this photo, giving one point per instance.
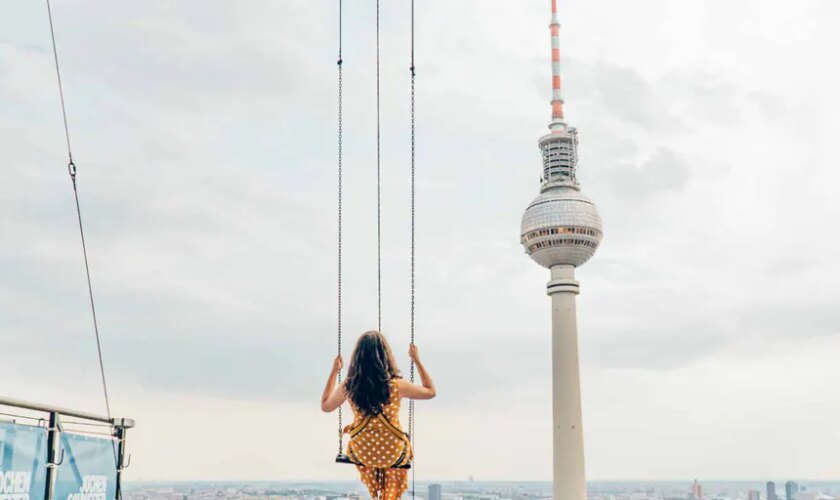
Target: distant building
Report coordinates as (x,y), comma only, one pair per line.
(753,495)
(696,491)
(435,492)
(812,495)
(791,489)
(771,491)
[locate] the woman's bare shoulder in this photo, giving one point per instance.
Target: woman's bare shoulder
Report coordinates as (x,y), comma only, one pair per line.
(403,385)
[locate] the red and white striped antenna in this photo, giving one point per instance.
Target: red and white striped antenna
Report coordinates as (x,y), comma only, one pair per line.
(557,97)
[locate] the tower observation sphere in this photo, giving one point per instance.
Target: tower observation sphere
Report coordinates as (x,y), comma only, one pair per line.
(561,226)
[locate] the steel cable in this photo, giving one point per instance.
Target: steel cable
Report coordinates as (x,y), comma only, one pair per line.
(71,169)
(378,182)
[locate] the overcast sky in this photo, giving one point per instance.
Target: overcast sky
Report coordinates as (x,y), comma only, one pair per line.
(205,138)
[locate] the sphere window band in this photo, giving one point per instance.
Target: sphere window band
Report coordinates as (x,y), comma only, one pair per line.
(563,241)
(560,230)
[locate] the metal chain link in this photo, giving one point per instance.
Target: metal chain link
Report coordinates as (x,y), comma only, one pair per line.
(413,251)
(340,197)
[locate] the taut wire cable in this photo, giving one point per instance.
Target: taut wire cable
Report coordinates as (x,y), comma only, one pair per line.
(378,184)
(71,169)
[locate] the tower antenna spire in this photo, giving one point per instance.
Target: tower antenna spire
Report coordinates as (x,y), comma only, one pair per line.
(557,97)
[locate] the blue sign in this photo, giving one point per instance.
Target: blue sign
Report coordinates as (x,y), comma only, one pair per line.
(89,470)
(23,459)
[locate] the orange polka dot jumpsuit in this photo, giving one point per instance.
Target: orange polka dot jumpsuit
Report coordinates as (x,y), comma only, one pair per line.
(378,445)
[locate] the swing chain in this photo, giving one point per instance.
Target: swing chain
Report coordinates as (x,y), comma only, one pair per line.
(340,208)
(413,249)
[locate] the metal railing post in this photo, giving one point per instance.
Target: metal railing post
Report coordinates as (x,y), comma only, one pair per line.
(52,451)
(121,432)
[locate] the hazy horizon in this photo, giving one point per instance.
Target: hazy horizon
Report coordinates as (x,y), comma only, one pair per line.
(826,482)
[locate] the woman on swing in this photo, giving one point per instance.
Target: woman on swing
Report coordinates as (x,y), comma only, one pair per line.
(374,388)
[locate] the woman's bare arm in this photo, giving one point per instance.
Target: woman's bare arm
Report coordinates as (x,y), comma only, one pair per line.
(413,391)
(333,396)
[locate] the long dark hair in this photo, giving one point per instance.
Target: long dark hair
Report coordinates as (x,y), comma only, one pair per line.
(372,367)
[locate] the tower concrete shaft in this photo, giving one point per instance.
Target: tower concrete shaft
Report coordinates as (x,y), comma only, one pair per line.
(569,471)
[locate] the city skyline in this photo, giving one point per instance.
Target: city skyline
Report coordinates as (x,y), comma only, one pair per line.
(206,168)
(467,489)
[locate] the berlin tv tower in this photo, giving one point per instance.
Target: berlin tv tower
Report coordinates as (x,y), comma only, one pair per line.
(561,229)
